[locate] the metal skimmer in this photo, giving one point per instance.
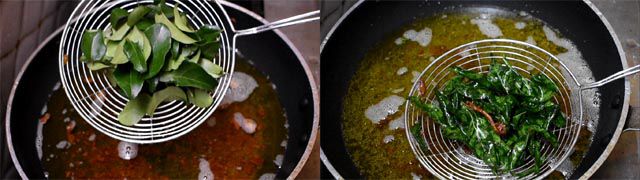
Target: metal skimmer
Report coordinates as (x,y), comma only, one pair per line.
(99,103)
(445,158)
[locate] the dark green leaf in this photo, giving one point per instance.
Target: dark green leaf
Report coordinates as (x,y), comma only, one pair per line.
(152,84)
(208,34)
(144,23)
(137,14)
(210,51)
(134,110)
(129,81)
(134,53)
(175,50)
(93,46)
(166,95)
(190,75)
(160,38)
(117,14)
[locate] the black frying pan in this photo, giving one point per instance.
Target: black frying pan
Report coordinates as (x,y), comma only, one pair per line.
(272,54)
(369,22)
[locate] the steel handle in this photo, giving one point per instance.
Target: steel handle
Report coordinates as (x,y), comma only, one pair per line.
(613,77)
(298,19)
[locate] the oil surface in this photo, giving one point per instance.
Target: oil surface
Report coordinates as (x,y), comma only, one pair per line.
(220,145)
(390,68)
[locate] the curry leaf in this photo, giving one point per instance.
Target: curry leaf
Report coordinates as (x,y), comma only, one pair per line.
(181,20)
(472,108)
(208,34)
(134,53)
(195,58)
(175,63)
(129,81)
(190,75)
(200,98)
(139,38)
(160,38)
(144,23)
(94,66)
(134,110)
(168,94)
(119,33)
(152,84)
(137,14)
(176,34)
(117,14)
(92,45)
(212,69)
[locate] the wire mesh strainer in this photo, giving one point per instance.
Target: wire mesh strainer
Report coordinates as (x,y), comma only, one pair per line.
(445,158)
(99,103)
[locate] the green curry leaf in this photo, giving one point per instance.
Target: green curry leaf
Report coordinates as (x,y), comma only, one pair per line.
(129,81)
(116,17)
(181,20)
(168,94)
(137,14)
(92,45)
(176,34)
(200,98)
(190,75)
(134,110)
(134,53)
(160,38)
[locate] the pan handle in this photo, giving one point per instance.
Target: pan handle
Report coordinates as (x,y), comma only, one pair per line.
(298,19)
(633,120)
(613,77)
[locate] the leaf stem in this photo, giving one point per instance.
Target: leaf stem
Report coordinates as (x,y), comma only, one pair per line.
(497,127)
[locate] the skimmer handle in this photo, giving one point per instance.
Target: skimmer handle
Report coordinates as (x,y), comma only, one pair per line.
(613,77)
(298,19)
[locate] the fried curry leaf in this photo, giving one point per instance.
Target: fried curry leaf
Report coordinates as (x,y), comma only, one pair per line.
(92,45)
(160,38)
(134,110)
(473,107)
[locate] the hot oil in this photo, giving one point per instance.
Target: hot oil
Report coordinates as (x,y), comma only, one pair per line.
(391,66)
(219,145)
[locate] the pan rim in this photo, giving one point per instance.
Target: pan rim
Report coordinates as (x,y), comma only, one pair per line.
(312,83)
(625,106)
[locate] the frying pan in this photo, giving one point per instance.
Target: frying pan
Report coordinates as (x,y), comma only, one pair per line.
(369,22)
(281,62)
